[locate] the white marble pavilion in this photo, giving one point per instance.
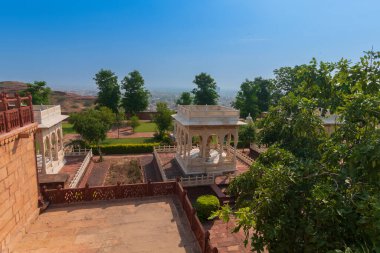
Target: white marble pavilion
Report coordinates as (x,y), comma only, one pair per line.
(207,137)
(49,138)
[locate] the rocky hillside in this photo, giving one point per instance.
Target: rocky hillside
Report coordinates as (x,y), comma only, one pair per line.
(70,102)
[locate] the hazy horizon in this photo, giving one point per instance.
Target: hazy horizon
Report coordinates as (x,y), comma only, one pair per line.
(66,42)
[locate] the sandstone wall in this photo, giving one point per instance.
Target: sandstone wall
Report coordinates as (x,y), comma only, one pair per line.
(18,184)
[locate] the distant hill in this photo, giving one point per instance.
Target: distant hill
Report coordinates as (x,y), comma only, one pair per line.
(70,102)
(12,86)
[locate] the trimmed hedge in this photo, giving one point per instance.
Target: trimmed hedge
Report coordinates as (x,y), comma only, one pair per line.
(125,149)
(205,205)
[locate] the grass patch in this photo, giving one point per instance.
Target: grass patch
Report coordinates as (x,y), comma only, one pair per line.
(124,171)
(67,128)
(128,141)
(146,127)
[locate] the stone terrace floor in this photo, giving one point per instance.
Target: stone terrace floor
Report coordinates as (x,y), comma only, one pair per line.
(155,224)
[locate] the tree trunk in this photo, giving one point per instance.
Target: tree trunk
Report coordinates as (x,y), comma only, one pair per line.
(100,154)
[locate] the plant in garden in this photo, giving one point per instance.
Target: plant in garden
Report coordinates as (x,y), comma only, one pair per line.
(206,205)
(134,122)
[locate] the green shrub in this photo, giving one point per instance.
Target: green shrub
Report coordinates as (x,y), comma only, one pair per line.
(205,205)
(125,148)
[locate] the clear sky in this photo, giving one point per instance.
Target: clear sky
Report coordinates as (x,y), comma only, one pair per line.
(170,41)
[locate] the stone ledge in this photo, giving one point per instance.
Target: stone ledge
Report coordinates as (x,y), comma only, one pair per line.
(14,134)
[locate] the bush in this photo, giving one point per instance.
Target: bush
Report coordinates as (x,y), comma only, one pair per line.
(205,205)
(125,149)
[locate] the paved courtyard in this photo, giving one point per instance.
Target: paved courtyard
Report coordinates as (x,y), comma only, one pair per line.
(141,225)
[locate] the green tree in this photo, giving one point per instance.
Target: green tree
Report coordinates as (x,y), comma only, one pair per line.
(134,122)
(39,91)
(136,97)
(247,134)
(309,193)
(93,125)
(253,97)
(109,90)
(185,99)
(205,93)
(163,119)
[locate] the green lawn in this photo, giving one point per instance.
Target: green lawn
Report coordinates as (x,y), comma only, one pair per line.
(68,128)
(146,127)
(128,141)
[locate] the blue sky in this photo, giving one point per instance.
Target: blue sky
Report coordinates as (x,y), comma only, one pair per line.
(170,41)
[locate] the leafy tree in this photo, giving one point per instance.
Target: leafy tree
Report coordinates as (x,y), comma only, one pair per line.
(136,97)
(205,93)
(253,97)
(109,90)
(247,134)
(163,119)
(185,99)
(39,91)
(309,193)
(134,122)
(93,125)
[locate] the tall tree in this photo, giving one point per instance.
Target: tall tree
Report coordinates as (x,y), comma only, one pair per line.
(309,193)
(253,97)
(247,134)
(205,93)
(109,89)
(93,125)
(136,97)
(163,118)
(39,91)
(185,99)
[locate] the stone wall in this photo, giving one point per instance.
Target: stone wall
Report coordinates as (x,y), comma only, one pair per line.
(18,184)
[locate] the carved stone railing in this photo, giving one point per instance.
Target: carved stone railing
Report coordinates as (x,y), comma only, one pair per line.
(67,196)
(82,169)
(15,112)
(197,180)
(246,159)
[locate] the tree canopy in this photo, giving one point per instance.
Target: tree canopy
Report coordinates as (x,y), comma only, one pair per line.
(136,97)
(40,92)
(185,99)
(163,118)
(109,90)
(310,192)
(205,93)
(253,97)
(93,125)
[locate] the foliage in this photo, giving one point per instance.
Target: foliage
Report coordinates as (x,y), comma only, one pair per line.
(309,193)
(134,122)
(126,148)
(39,91)
(253,97)
(206,205)
(109,90)
(205,93)
(163,118)
(136,97)
(247,134)
(93,125)
(294,126)
(185,99)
